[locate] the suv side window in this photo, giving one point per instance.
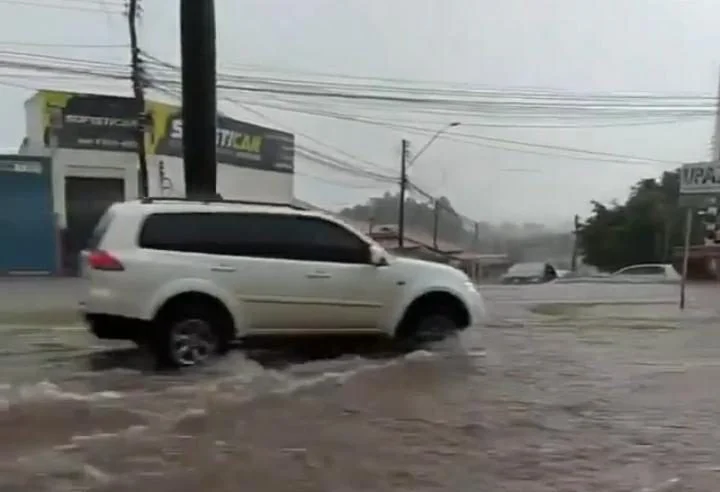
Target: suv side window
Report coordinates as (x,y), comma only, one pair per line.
(253,234)
(317,239)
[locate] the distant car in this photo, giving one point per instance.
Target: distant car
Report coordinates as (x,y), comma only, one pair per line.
(650,273)
(646,273)
(529,273)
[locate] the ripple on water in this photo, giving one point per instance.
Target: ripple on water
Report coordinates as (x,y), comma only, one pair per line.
(66,418)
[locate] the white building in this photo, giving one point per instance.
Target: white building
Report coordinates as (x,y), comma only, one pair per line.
(91,142)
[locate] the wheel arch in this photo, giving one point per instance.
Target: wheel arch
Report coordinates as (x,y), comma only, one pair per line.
(217,307)
(196,286)
(433,301)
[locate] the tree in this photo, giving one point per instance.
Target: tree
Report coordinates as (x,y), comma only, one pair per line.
(644,229)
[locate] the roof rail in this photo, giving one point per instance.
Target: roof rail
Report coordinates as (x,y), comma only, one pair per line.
(153,199)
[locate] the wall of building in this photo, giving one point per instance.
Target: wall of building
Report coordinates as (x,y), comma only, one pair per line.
(233,182)
(34,125)
(91,164)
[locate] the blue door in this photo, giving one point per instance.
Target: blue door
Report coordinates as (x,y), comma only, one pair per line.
(28,237)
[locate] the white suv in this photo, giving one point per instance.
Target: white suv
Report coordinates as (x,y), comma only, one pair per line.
(187,277)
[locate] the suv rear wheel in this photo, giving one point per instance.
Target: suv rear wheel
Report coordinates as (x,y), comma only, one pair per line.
(188,336)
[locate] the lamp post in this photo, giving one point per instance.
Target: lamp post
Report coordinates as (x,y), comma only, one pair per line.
(404,166)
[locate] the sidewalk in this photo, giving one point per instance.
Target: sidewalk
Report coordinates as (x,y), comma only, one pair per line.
(39,300)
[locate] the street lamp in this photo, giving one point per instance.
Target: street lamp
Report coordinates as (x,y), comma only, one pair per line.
(437,135)
(403,176)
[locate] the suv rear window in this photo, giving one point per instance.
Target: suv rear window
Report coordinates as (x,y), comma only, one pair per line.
(100,229)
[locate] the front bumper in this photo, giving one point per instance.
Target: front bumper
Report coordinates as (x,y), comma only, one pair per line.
(477,308)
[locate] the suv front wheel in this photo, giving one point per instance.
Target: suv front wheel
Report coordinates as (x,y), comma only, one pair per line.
(188,336)
(430,324)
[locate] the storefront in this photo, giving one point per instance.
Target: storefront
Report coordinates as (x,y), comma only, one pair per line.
(90,142)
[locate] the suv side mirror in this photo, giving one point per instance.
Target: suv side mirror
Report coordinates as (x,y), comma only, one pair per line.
(378,256)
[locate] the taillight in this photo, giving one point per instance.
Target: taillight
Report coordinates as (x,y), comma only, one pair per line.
(102,260)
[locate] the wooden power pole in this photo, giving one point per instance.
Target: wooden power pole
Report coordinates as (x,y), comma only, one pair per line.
(576,243)
(403,191)
(138,85)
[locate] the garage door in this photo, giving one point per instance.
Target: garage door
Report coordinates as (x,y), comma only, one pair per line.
(27,219)
(86,200)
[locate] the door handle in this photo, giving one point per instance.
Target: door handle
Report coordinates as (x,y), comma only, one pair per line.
(318,275)
(223,268)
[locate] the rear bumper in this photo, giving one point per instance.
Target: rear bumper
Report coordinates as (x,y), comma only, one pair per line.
(111,327)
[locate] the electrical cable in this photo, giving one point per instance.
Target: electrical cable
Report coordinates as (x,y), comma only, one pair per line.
(74,5)
(583,154)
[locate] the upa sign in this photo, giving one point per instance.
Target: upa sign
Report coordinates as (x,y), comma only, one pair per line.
(699,189)
(699,184)
(701,178)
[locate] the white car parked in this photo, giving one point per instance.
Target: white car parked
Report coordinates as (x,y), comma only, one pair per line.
(187,277)
(650,273)
(647,273)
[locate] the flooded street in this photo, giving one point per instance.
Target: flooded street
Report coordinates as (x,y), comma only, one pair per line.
(561,391)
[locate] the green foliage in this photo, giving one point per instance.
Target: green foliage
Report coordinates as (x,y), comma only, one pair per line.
(644,229)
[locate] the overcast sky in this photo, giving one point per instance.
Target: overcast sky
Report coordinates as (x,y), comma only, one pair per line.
(656,46)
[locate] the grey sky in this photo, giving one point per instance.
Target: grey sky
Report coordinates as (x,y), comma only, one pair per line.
(658,46)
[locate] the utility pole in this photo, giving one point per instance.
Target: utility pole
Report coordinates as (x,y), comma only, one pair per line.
(576,241)
(436,222)
(199,98)
(403,189)
(138,85)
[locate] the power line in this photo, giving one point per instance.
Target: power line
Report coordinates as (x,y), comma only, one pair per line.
(356,169)
(344,184)
(75,5)
(26,44)
(246,68)
(585,154)
(120,72)
(503,101)
(433,105)
(80,67)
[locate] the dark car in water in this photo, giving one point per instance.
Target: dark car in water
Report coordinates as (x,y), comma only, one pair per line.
(529,273)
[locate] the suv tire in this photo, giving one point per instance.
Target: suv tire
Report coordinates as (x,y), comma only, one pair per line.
(188,335)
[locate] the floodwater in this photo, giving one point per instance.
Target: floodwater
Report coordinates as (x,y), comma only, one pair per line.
(573,397)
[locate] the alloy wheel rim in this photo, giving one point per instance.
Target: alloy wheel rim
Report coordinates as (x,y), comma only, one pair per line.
(192,342)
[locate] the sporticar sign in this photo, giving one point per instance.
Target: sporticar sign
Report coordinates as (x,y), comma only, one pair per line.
(227,139)
(238,143)
(89,121)
(98,122)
